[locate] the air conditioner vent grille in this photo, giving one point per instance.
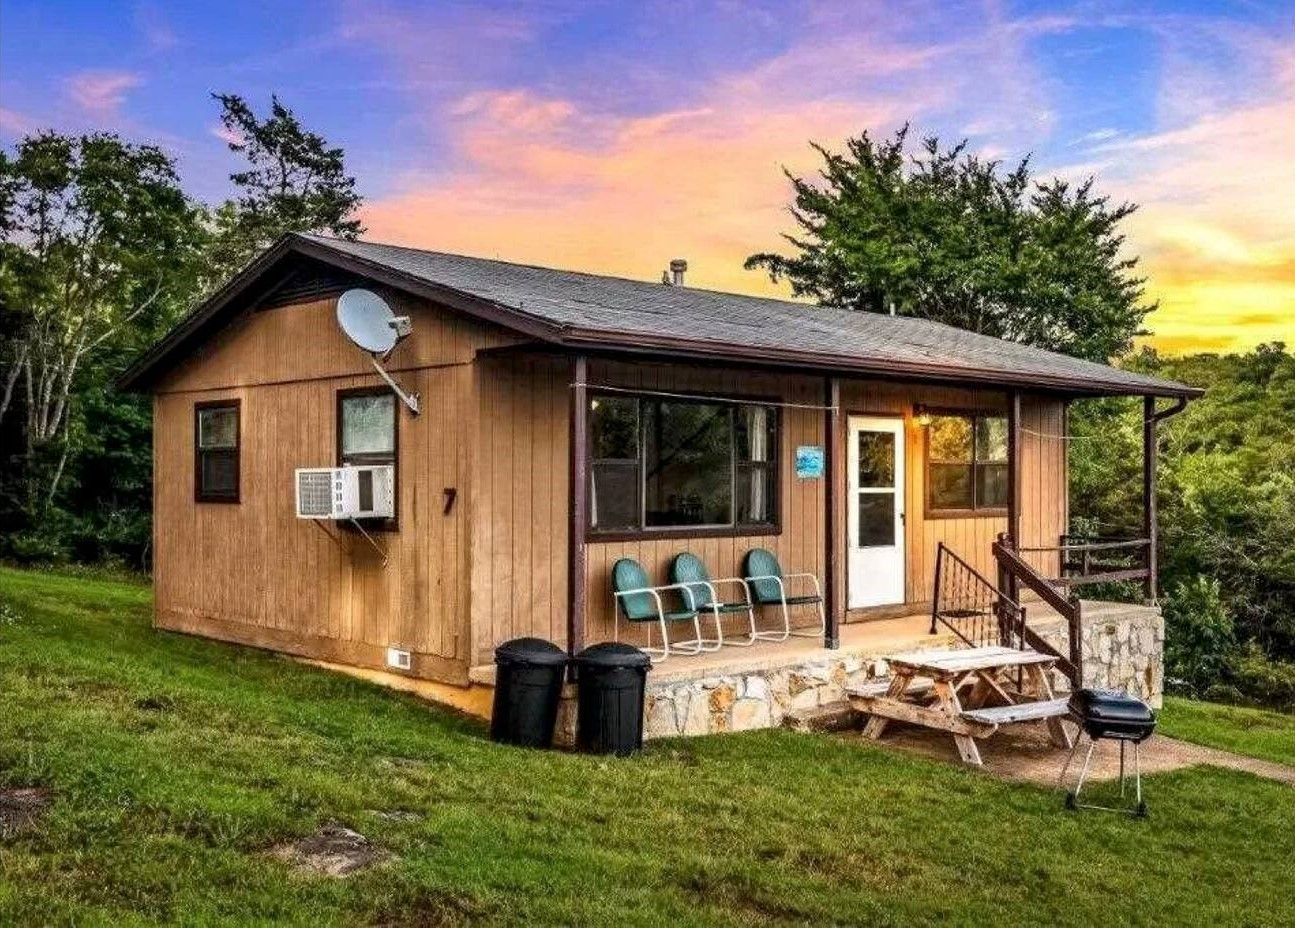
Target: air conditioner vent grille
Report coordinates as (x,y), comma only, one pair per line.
(315,493)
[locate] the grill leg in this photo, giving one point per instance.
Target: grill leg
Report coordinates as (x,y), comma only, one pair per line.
(1122,743)
(1072,800)
(1065,768)
(1141,810)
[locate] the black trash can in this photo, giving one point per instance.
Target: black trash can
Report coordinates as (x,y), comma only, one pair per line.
(529,673)
(610,678)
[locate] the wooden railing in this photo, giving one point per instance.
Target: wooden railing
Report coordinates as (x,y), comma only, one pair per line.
(971,607)
(1086,560)
(1015,572)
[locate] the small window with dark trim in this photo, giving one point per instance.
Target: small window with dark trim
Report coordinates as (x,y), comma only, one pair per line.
(367,431)
(676,464)
(215,450)
(966,464)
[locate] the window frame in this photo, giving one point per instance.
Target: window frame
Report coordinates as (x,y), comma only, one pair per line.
(730,530)
(933,511)
(236,497)
(383,525)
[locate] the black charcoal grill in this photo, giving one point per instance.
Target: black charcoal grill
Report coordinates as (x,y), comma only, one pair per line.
(1116,716)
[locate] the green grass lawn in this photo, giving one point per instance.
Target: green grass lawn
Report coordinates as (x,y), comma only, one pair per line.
(1254,732)
(175,763)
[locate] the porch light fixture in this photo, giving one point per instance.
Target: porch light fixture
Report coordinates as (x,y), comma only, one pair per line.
(923,416)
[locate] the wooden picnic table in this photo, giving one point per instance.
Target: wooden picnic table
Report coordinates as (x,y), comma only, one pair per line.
(938,675)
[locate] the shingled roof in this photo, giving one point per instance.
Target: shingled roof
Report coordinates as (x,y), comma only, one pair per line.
(578,310)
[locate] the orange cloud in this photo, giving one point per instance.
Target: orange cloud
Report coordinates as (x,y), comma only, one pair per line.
(547,180)
(1217,226)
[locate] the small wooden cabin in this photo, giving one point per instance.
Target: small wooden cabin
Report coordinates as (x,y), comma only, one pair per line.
(569,420)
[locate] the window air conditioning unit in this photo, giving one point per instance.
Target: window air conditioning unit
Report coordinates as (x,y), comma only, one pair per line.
(352,492)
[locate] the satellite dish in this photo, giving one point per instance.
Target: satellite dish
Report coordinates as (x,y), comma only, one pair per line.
(368,321)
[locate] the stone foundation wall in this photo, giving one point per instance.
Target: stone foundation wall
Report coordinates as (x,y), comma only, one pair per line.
(1123,648)
(754,699)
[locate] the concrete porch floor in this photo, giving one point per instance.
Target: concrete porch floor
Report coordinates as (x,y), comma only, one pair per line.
(869,638)
(863,639)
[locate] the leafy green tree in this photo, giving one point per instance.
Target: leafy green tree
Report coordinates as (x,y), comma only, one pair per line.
(1226,490)
(295,182)
(98,248)
(949,236)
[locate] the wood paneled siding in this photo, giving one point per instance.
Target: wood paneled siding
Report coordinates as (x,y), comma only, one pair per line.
(253,572)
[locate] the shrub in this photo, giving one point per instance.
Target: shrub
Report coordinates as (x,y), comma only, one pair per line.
(1200,639)
(1261,680)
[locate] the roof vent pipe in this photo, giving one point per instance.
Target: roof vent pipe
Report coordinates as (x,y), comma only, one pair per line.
(677,267)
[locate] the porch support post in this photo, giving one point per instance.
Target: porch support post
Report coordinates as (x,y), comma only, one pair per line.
(1150,522)
(579,509)
(1013,590)
(1014,467)
(831,543)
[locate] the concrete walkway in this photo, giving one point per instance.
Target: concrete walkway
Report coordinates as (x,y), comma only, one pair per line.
(1023,752)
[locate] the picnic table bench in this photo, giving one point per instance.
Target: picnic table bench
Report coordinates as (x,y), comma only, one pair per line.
(924,689)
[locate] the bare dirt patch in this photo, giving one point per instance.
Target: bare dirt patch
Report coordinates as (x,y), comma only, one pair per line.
(1023,752)
(334,850)
(21,809)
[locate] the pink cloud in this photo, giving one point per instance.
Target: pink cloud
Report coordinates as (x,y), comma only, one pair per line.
(101,93)
(552,180)
(16,123)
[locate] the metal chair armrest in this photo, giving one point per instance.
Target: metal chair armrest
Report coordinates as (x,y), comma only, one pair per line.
(818,590)
(655,593)
(782,587)
(736,581)
(687,592)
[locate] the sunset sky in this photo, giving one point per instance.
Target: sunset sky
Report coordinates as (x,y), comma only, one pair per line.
(612,137)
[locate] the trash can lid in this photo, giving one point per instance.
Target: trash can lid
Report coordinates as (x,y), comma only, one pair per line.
(613,654)
(530,651)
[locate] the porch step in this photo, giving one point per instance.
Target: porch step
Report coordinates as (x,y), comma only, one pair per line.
(919,686)
(1022,712)
(830,716)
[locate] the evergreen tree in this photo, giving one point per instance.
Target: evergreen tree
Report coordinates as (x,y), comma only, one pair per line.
(295,182)
(948,236)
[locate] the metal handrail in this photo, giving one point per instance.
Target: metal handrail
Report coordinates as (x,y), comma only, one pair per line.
(964,600)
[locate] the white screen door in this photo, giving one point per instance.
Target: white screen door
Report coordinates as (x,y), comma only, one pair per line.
(875,462)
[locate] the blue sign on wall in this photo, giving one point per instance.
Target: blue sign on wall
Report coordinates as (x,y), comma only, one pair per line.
(809,462)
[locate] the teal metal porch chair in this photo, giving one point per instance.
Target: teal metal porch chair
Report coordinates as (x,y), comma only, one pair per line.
(638,600)
(700,592)
(768,585)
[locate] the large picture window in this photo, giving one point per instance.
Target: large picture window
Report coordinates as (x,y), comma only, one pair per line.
(666,464)
(215,451)
(966,464)
(367,431)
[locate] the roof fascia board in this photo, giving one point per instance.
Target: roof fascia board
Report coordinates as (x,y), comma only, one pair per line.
(801,360)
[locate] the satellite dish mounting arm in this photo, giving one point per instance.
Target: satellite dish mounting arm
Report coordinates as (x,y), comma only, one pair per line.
(409,399)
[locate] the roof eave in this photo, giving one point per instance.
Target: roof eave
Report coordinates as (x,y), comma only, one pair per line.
(828,363)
